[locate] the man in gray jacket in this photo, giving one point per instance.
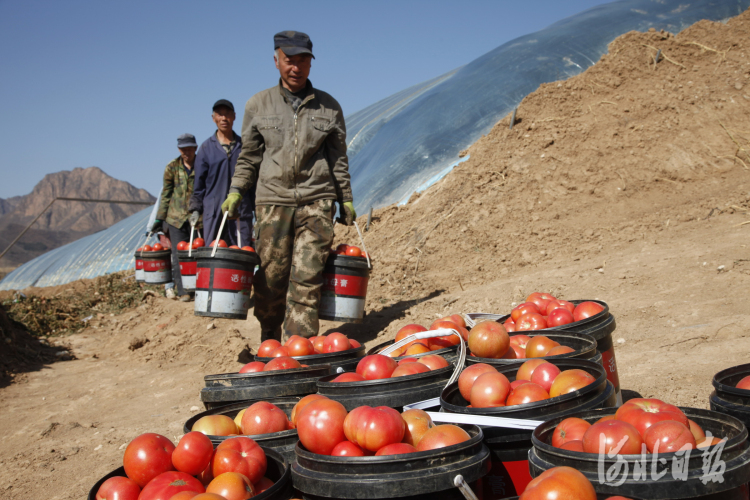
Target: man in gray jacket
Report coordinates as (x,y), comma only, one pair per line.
(294,156)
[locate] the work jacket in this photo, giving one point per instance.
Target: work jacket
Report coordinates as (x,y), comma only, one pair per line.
(213,174)
(293,158)
(175,194)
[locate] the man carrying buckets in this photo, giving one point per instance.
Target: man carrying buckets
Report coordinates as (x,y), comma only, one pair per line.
(294,157)
(172,214)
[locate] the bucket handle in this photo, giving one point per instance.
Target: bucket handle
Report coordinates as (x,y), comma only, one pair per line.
(190,248)
(464,488)
(440,332)
(221,228)
(362,240)
(239,235)
(148,236)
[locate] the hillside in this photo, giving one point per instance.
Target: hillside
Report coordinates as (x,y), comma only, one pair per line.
(65,221)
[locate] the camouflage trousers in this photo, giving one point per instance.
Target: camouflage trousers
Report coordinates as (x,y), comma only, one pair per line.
(293,244)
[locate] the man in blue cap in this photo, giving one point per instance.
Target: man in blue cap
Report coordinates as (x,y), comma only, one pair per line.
(294,158)
(214,168)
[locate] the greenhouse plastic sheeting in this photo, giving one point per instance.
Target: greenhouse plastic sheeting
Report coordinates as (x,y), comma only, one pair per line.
(400,143)
(99,253)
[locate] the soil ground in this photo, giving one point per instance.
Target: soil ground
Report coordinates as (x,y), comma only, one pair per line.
(625,183)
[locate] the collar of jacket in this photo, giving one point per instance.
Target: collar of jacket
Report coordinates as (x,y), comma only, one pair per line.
(181,166)
(236,138)
(308,87)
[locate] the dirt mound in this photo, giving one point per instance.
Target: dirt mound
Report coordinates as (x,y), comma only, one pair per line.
(626,149)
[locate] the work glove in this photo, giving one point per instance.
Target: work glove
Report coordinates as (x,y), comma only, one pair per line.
(231,205)
(157,226)
(347,214)
(194,218)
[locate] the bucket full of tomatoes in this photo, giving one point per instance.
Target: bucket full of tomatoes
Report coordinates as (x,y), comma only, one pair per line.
(445,346)
(527,394)
(224,278)
(731,394)
(334,349)
(157,264)
(399,455)
(188,263)
(344,291)
(649,449)
(278,378)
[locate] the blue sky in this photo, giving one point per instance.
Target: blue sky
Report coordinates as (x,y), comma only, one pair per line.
(112,84)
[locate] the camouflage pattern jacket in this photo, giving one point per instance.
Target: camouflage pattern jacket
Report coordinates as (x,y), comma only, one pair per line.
(175,195)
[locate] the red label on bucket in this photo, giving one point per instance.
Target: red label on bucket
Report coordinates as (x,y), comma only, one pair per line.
(505,479)
(138,264)
(341,284)
(610,365)
(188,268)
(156,265)
(231,279)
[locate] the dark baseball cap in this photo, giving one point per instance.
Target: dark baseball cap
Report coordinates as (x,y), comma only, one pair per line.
(293,43)
(186,141)
(223,102)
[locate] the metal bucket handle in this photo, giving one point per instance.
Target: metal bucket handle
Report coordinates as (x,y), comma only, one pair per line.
(221,228)
(362,240)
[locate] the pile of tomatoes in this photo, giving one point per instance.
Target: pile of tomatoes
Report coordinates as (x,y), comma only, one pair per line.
(349,251)
(482,386)
(561,482)
(542,310)
(454,322)
(156,469)
(197,243)
(158,247)
(300,346)
(259,418)
(278,363)
(378,366)
(325,428)
(647,423)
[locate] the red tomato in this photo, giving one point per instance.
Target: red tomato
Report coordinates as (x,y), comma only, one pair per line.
(168,484)
(147,248)
(469,375)
(301,404)
(520,340)
(560,483)
(267,347)
(240,454)
(347,449)
(433,361)
(544,375)
(613,431)
(489,339)
(220,244)
(570,381)
(118,488)
(539,346)
(147,456)
(158,247)
(376,366)
(342,248)
(183,245)
(441,436)
(526,370)
(697,431)
(403,361)
(417,423)
(642,413)
(531,321)
(248,249)
(489,390)
(252,367)
(215,425)
(521,309)
(576,445)
(353,251)
(409,369)
(198,243)
(418,348)
(281,363)
(263,418)
(373,428)
(526,393)
(570,429)
(300,347)
(319,342)
(516,383)
(561,349)
(354,343)
(320,425)
(744,383)
(349,377)
(396,449)
(232,486)
(336,342)
(193,453)
(262,485)
(559,316)
(586,310)
(668,436)
(234,246)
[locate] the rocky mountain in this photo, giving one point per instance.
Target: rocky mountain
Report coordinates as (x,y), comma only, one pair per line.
(65,221)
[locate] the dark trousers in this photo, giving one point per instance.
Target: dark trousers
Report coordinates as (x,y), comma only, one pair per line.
(177,235)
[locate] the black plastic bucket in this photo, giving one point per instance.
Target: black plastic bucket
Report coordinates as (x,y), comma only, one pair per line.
(278,471)
(229,388)
(344,289)
(140,274)
(449,353)
(426,474)
(341,359)
(157,267)
(729,400)
(584,348)
(735,455)
(393,392)
(282,442)
(188,269)
(223,282)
